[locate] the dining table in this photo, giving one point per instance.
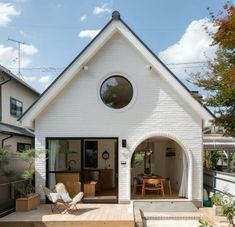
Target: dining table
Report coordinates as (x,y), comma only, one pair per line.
(165,180)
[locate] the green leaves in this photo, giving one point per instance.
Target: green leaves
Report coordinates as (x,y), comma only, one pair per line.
(4,158)
(219,79)
(203,223)
(27,155)
(28,174)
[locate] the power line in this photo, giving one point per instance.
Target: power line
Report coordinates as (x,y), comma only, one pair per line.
(188,63)
(195,64)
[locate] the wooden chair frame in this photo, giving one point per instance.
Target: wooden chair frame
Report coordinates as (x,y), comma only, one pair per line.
(153,184)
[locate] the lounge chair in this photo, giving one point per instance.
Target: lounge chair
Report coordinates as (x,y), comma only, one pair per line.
(60,205)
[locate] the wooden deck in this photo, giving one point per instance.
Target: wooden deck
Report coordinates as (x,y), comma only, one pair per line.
(96,215)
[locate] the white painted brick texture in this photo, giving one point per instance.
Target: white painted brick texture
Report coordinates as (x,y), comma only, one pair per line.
(79,112)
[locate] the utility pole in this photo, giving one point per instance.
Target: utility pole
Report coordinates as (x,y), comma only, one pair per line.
(18,44)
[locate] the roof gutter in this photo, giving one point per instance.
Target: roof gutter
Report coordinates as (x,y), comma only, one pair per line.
(6,138)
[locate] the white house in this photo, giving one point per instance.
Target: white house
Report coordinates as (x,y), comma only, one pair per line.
(117,114)
(15,97)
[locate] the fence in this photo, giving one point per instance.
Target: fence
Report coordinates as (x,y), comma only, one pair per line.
(8,196)
(216,181)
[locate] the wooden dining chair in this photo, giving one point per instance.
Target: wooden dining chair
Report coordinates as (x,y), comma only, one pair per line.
(138,183)
(152,185)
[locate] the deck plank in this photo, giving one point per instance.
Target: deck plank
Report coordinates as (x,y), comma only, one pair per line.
(96,215)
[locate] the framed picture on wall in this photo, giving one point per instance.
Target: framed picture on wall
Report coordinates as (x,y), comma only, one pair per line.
(91,154)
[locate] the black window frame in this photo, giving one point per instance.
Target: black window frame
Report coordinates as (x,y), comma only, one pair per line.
(13,113)
(113,76)
(23,144)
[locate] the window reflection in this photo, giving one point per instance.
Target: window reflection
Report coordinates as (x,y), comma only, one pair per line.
(116,92)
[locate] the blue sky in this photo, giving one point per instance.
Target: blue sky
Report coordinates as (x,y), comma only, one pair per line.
(56,31)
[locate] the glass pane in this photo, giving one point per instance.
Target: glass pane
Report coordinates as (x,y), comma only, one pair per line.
(64,155)
(16,107)
(116,92)
(91,154)
(51,180)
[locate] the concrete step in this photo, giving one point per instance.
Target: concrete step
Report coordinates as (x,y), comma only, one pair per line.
(165,206)
(171,215)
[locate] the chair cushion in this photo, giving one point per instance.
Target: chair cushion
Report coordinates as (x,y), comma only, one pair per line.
(55,196)
(65,197)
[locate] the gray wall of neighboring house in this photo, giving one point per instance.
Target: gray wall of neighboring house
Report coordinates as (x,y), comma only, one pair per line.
(16,91)
(11,87)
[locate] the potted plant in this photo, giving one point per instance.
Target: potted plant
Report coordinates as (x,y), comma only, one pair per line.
(29,199)
(229,208)
(217,200)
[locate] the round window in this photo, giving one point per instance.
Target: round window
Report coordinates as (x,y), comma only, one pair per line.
(116,92)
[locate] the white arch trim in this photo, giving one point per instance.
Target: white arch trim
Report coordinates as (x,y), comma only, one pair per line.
(187,151)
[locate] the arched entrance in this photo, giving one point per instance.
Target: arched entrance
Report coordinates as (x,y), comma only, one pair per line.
(161,156)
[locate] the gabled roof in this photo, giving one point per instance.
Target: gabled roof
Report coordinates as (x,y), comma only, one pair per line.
(116,24)
(15,130)
(11,76)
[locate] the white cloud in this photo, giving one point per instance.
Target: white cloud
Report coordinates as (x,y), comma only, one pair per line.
(7,11)
(194,46)
(88,33)
(9,57)
(101,9)
(83,18)
(45,79)
(28,49)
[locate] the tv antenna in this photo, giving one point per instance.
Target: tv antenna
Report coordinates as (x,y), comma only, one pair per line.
(18,44)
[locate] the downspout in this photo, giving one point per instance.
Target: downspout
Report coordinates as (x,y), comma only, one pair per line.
(3,140)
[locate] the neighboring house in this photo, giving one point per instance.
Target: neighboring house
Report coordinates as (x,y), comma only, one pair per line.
(15,97)
(114,115)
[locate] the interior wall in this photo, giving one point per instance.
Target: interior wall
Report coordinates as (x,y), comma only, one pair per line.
(159,158)
(74,153)
(75,149)
(162,165)
(176,166)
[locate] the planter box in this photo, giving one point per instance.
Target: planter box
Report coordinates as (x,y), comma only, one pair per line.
(27,204)
(218,210)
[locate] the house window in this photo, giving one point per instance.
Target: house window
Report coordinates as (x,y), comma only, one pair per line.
(23,147)
(16,107)
(91,154)
(116,92)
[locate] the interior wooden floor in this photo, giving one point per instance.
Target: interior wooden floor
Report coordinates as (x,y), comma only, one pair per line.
(154,195)
(103,196)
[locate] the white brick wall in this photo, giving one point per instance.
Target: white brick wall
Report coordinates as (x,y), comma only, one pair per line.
(79,112)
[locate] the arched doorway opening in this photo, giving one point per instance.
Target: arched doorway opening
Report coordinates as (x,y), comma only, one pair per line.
(159,157)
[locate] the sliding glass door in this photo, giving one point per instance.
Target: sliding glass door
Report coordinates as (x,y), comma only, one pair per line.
(84,164)
(64,164)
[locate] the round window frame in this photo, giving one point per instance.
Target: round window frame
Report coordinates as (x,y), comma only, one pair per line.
(124,76)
